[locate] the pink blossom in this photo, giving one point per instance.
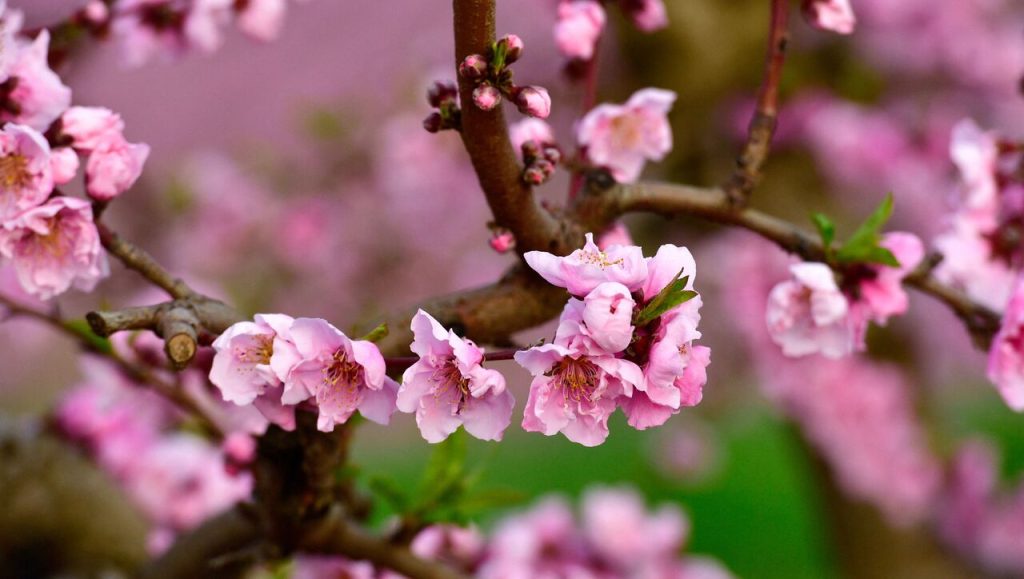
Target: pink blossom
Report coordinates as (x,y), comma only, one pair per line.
(647,15)
(448,386)
(113,167)
(64,164)
(88,127)
(809,313)
(542,542)
(1006,358)
(341,375)
(968,263)
(617,234)
(54,247)
(323,566)
(601,322)
(976,154)
(486,97)
(534,101)
(617,525)
(26,173)
(574,392)
(833,15)
(623,137)
(584,269)
(262,19)
(881,294)
(461,548)
(241,367)
(39,95)
(96,12)
(10,26)
(579,26)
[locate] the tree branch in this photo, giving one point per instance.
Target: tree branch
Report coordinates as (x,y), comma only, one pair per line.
(485,135)
(136,258)
(201,552)
(762,125)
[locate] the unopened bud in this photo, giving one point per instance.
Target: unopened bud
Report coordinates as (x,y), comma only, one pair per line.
(513,48)
(473,67)
(553,154)
(531,151)
(534,175)
(486,97)
(534,101)
(433,123)
(546,167)
(441,92)
(502,242)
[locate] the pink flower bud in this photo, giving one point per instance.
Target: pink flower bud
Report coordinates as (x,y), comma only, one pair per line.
(503,242)
(114,166)
(96,12)
(513,48)
(534,175)
(441,92)
(473,66)
(534,101)
(552,154)
(433,123)
(486,97)
(531,151)
(546,167)
(833,15)
(63,164)
(239,447)
(88,126)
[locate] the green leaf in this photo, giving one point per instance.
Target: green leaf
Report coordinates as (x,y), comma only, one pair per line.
(498,50)
(391,492)
(490,499)
(863,241)
(377,334)
(672,295)
(81,327)
(883,256)
(826,229)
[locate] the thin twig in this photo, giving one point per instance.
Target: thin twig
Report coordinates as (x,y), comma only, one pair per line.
(138,259)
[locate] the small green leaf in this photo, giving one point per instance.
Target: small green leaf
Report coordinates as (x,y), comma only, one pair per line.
(826,229)
(391,492)
(81,327)
(672,295)
(498,51)
(863,241)
(490,499)
(883,256)
(377,334)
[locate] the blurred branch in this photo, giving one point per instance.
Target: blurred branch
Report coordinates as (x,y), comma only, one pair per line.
(598,207)
(201,553)
(485,135)
(762,125)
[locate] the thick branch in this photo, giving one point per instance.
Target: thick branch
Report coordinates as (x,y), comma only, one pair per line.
(202,552)
(138,259)
(597,208)
(485,136)
(762,124)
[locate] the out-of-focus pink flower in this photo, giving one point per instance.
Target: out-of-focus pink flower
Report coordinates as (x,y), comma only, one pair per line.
(584,269)
(832,15)
(809,313)
(64,164)
(39,96)
(262,19)
(448,386)
(881,294)
(461,548)
(976,153)
(241,368)
(10,26)
(624,137)
(578,28)
(530,129)
(54,247)
(1006,358)
(96,12)
(968,262)
(617,525)
(26,173)
(340,374)
(502,242)
(113,167)
(90,126)
(542,542)
(617,234)
(647,15)
(534,101)
(574,392)
(307,566)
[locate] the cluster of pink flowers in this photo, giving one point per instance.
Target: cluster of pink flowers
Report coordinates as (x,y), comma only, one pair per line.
(580,23)
(622,138)
(606,353)
(169,28)
(616,537)
(815,313)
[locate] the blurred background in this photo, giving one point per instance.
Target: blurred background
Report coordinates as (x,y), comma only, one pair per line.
(295,177)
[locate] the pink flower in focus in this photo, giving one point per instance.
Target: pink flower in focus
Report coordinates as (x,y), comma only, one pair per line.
(624,137)
(601,322)
(1006,358)
(241,367)
(832,15)
(574,392)
(88,127)
(584,269)
(113,167)
(339,374)
(809,313)
(262,19)
(54,247)
(579,26)
(647,15)
(26,173)
(39,95)
(448,386)
(64,165)
(617,525)
(533,101)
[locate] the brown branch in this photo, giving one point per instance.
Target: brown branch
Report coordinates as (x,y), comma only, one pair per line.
(597,208)
(201,552)
(762,125)
(485,135)
(138,259)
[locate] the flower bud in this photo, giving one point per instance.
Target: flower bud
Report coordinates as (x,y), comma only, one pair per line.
(513,48)
(486,97)
(531,151)
(546,167)
(534,101)
(433,123)
(553,154)
(473,67)
(441,92)
(502,242)
(534,175)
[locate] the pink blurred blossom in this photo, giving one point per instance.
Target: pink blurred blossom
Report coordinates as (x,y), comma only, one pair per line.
(39,95)
(1006,357)
(26,171)
(262,19)
(578,28)
(832,15)
(647,15)
(809,314)
(90,126)
(623,138)
(113,167)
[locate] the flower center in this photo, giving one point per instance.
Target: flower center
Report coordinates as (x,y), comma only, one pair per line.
(259,352)
(628,132)
(598,258)
(451,383)
(343,370)
(14,172)
(576,377)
